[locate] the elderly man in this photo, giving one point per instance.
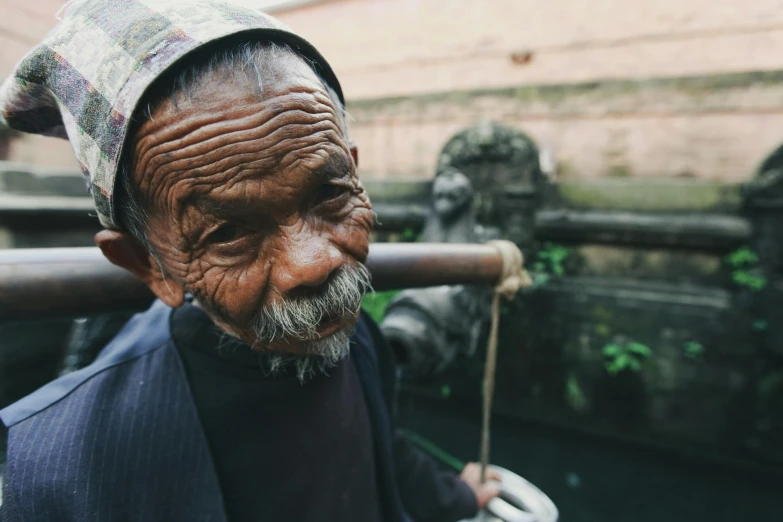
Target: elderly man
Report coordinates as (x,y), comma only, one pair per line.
(215,146)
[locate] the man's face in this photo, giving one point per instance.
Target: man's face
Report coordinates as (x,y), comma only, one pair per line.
(254,203)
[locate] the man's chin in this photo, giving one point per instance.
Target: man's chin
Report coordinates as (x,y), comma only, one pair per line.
(313,357)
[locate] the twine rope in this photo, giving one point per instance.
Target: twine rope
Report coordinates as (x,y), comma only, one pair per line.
(512,279)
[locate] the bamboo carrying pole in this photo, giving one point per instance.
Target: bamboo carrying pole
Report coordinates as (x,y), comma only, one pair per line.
(74,282)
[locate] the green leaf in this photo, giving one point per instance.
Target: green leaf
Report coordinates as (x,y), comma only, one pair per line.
(639,349)
(760,325)
(757,282)
(623,360)
(741,277)
(743,256)
(612,350)
(574,394)
(635,365)
(694,348)
(375,303)
(540,279)
(602,329)
(445,391)
(539,266)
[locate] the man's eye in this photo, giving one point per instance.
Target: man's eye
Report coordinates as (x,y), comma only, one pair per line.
(226,234)
(328,192)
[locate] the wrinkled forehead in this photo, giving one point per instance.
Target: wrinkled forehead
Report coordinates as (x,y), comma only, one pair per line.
(232,130)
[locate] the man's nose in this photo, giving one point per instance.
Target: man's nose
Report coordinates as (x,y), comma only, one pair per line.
(306,263)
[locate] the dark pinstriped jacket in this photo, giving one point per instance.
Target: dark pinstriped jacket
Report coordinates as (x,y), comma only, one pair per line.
(120,440)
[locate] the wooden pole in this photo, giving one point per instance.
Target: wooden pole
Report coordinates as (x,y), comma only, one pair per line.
(74,282)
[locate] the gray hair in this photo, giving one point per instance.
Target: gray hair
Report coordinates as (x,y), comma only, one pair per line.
(258,60)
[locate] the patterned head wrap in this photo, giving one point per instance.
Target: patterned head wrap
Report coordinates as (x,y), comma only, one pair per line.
(85,79)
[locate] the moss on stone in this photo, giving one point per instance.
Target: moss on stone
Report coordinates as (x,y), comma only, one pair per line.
(648,195)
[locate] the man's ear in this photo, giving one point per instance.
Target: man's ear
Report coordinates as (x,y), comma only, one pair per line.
(355,155)
(123,250)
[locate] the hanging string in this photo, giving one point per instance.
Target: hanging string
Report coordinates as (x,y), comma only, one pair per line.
(513,278)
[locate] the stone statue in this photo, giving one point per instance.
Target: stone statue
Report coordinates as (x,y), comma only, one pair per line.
(451,217)
(428,328)
(486,187)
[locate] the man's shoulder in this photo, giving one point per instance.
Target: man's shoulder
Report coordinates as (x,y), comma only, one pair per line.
(142,335)
(93,441)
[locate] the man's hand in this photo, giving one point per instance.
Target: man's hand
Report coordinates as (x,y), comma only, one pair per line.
(485,492)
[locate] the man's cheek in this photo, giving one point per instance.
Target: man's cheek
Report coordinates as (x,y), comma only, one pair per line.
(236,290)
(353,233)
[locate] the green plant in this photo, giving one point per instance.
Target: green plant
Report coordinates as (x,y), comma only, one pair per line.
(760,325)
(745,270)
(409,235)
(445,391)
(540,278)
(693,349)
(574,395)
(550,259)
(602,329)
(375,303)
(625,356)
(750,280)
(742,257)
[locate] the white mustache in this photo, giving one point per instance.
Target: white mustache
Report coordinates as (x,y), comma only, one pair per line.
(298,318)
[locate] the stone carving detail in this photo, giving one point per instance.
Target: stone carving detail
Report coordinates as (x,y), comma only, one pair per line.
(503,165)
(492,156)
(451,217)
(428,328)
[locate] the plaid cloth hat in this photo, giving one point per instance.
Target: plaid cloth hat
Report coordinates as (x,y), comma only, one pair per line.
(85,79)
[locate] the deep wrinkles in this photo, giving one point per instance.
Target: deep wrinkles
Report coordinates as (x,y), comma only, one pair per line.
(245,152)
(288,129)
(209,123)
(249,156)
(212,124)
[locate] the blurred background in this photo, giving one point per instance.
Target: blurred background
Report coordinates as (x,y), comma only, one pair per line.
(631,149)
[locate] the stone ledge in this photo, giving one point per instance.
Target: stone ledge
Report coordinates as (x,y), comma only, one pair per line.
(20,178)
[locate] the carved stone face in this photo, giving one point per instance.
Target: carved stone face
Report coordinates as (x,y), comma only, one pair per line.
(452,195)
(252,201)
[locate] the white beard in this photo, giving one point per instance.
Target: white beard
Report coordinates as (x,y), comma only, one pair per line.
(322,355)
